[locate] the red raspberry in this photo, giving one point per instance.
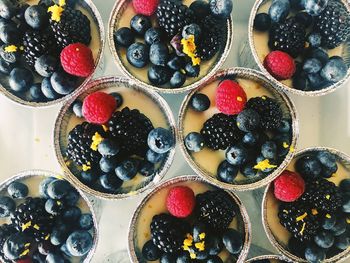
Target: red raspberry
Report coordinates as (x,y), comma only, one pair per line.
(24,260)
(230,97)
(98,107)
(77,60)
(145,7)
(180,201)
(289,186)
(280,65)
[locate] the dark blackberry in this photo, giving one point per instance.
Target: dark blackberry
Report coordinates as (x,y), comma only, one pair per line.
(5,232)
(333,24)
(131,128)
(300,220)
(221,131)
(36,44)
(322,195)
(73,27)
(173,16)
(270,112)
(168,232)
(216,209)
(288,36)
(31,218)
(79,145)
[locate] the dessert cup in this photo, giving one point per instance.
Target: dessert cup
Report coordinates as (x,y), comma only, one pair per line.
(135,97)
(272,258)
(206,162)
(88,8)
(120,17)
(276,233)
(139,230)
(258,42)
(32,179)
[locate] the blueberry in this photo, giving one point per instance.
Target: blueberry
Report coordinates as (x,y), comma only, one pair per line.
(48,90)
(108,147)
(335,69)
(118,97)
(309,166)
(58,189)
(346,203)
(215,244)
(38,258)
(110,182)
(65,251)
(20,79)
(200,8)
(339,227)
(262,22)
(124,37)
(248,170)
(233,241)
(54,207)
(199,102)
(79,243)
(320,54)
(312,65)
(314,254)
(7,9)
(191,30)
(72,197)
(45,248)
(55,258)
(301,81)
(285,126)
(59,234)
(296,247)
(279,10)
(342,242)
(63,83)
(227,172)
(146,168)
(87,177)
(71,214)
(345,186)
(329,172)
(6,67)
(194,142)
(304,19)
(158,75)
(221,8)
(184,257)
(251,139)
(138,55)
(248,120)
(36,16)
(17,190)
(237,155)
(154,157)
(7,206)
(44,185)
(324,239)
(46,65)
(159,54)
(177,80)
(78,109)
(108,163)
(150,251)
(15,245)
(140,24)
(160,140)
(269,150)
(296,4)
(315,39)
(86,222)
(314,7)
(192,71)
(317,82)
(327,159)
(153,35)
(176,63)
(167,258)
(10,57)
(36,93)
(8,32)
(214,259)
(127,170)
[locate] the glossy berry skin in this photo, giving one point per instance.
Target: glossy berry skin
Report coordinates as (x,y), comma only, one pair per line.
(233,241)
(194,142)
(154,157)
(98,107)
(199,102)
(17,190)
(227,172)
(192,71)
(138,55)
(127,170)
(304,18)
(324,239)
(320,54)
(191,30)
(87,177)
(262,22)
(108,147)
(159,54)
(10,57)
(248,120)
(108,164)
(237,155)
(279,10)
(317,82)
(314,7)
(150,251)
(327,159)
(314,254)
(176,63)
(339,227)
(251,138)
(158,75)
(140,24)
(124,37)
(20,79)
(335,69)
(110,182)
(46,65)
(221,8)
(342,242)
(315,39)
(184,257)
(79,243)
(35,93)
(214,259)
(7,9)
(6,67)
(48,91)
(86,222)
(329,223)
(346,203)
(77,109)
(55,258)
(15,245)
(308,166)
(285,126)
(160,140)
(71,214)
(177,80)
(312,65)
(167,258)
(36,16)
(269,150)
(57,189)
(153,35)
(118,98)
(8,33)
(146,168)
(7,206)
(345,185)
(44,186)
(54,207)
(63,83)
(248,170)
(200,8)
(59,234)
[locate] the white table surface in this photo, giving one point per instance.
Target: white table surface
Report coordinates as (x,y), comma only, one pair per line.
(26,142)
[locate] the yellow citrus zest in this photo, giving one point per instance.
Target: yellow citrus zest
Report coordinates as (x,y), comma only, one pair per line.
(189,48)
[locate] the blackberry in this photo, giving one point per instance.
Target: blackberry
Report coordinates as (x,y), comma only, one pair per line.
(131,128)
(73,27)
(300,220)
(270,112)
(173,16)
(221,131)
(168,232)
(36,44)
(322,195)
(5,232)
(288,36)
(215,209)
(79,147)
(333,24)
(32,219)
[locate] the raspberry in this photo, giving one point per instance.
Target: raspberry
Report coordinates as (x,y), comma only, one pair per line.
(230,97)
(145,7)
(289,186)
(77,60)
(280,65)
(181,201)
(98,107)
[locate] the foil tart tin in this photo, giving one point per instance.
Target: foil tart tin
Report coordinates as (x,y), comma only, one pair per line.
(342,158)
(90,7)
(246,225)
(332,88)
(116,15)
(33,173)
(278,94)
(275,257)
(61,132)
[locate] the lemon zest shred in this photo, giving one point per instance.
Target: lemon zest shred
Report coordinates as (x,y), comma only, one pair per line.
(189,48)
(96,140)
(11,49)
(314,211)
(201,236)
(56,12)
(25,252)
(86,167)
(328,216)
(285,145)
(302,229)
(193,256)
(200,246)
(36,227)
(263,165)
(301,217)
(26,225)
